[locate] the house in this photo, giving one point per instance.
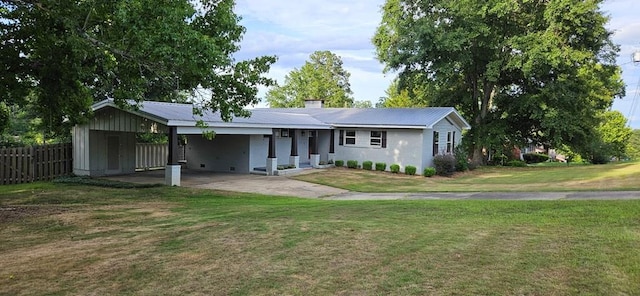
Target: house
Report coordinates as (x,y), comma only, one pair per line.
(266,139)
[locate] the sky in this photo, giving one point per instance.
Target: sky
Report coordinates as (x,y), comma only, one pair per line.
(292,30)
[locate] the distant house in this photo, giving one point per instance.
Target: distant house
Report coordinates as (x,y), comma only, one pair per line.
(270,137)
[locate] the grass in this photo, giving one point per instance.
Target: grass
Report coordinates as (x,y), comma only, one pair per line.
(75,239)
(615,176)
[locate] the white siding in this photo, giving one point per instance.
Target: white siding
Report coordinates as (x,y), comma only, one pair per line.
(112,119)
(81,152)
(258,149)
(225,153)
(98,153)
(404,147)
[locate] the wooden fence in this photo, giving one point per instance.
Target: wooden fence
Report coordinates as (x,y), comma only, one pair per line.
(35,163)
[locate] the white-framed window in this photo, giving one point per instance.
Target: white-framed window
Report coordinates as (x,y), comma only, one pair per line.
(376,138)
(350,137)
(449,142)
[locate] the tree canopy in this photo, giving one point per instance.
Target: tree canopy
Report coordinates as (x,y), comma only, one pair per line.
(517,70)
(321,78)
(68,54)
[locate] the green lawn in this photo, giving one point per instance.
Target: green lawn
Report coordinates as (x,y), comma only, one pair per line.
(73,239)
(615,176)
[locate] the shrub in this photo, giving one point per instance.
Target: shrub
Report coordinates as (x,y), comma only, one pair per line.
(395,168)
(367,165)
(535,157)
(516,163)
(339,163)
(462,164)
(381,166)
(445,164)
(429,172)
(281,167)
(410,170)
(291,166)
(352,164)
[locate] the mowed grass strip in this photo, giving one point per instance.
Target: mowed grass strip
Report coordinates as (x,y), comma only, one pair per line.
(66,239)
(615,176)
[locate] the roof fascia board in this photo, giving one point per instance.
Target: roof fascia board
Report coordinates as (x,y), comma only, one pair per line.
(189,123)
(109,103)
(380,126)
(461,121)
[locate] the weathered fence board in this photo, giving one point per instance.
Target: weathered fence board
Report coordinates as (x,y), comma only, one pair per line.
(36,163)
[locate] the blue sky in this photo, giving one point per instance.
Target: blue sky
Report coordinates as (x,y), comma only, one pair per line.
(292,30)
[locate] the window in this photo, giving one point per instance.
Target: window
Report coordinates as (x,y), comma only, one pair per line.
(376,138)
(284,133)
(350,137)
(436,142)
(449,142)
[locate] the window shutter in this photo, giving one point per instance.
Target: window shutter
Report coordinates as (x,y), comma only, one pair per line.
(453,142)
(341,140)
(384,139)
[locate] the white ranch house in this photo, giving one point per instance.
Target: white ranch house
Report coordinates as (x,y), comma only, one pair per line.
(268,138)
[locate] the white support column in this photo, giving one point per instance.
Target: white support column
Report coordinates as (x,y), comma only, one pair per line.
(172,175)
(272,166)
(294,160)
(315,160)
(331,157)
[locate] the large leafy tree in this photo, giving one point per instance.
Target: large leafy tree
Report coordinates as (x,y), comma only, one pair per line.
(69,54)
(322,78)
(614,133)
(517,70)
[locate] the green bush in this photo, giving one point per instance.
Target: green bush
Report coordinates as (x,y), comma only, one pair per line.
(339,163)
(516,163)
(381,166)
(367,165)
(410,170)
(429,172)
(535,157)
(462,164)
(395,168)
(445,164)
(352,164)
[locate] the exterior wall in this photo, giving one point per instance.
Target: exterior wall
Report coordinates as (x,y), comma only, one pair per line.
(81,156)
(99,153)
(443,127)
(404,147)
(324,136)
(258,150)
(112,119)
(225,153)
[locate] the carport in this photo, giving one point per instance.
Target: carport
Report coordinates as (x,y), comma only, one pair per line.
(106,145)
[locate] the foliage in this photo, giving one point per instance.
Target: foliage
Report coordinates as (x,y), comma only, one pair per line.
(462,159)
(535,157)
(429,172)
(321,78)
(517,71)
(381,166)
(615,133)
(367,165)
(397,97)
(633,146)
(339,163)
(445,164)
(516,163)
(410,170)
(69,54)
(395,168)
(352,164)
(362,104)
(155,138)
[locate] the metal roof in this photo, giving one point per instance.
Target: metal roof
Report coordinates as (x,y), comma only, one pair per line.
(174,114)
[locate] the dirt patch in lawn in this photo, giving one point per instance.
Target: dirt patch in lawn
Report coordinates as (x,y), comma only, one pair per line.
(15,213)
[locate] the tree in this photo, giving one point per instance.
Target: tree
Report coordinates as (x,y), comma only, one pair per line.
(633,146)
(517,70)
(614,133)
(69,54)
(321,78)
(398,97)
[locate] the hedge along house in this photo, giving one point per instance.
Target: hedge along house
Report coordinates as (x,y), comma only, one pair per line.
(268,138)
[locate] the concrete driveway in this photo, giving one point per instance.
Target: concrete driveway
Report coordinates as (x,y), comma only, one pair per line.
(269,185)
(280,185)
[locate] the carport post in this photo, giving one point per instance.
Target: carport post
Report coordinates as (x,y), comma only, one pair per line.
(172,170)
(294,158)
(272,160)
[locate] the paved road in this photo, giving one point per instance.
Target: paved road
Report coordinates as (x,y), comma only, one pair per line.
(573,195)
